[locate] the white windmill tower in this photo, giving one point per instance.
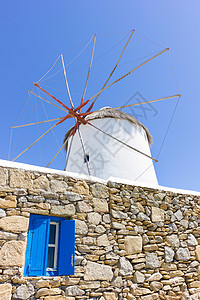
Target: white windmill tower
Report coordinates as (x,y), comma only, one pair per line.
(124,152)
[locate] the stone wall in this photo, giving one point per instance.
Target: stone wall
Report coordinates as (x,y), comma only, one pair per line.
(131,242)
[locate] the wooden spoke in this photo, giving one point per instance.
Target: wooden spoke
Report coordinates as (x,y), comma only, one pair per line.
(67,85)
(47,101)
(146,102)
(116,139)
(57,153)
(41,122)
(116,64)
(91,59)
(34,142)
(82,144)
(122,77)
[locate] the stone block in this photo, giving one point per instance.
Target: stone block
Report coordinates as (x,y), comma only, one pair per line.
(12,253)
(173,240)
(125,267)
(41,183)
(157,214)
(74,291)
(20,179)
(155,277)
(82,206)
(95,271)
(81,227)
(99,190)
(103,240)
(5,291)
(58,186)
(47,292)
(59,297)
(182,254)
(152,261)
(100,205)
(3,176)
(110,296)
(24,291)
(7,203)
(133,244)
(94,218)
(81,188)
(169,254)
(197,252)
(63,210)
(138,277)
(15,224)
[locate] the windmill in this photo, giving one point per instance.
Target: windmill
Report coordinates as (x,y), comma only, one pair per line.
(84,113)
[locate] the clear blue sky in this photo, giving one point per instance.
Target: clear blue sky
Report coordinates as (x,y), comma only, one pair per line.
(34,33)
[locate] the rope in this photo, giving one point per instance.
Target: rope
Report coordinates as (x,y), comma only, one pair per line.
(147,38)
(49,69)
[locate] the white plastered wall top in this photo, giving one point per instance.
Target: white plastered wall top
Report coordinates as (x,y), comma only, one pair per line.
(16,165)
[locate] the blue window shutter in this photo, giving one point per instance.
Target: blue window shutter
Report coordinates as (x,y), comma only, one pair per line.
(37,246)
(67,247)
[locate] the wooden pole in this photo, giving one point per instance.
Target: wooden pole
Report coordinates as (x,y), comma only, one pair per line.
(41,122)
(91,59)
(127,74)
(34,142)
(116,64)
(146,102)
(65,75)
(48,101)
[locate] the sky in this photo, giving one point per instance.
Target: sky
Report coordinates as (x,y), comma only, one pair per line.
(35,33)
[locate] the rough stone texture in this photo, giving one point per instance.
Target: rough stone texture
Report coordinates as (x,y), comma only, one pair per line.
(14,224)
(157,214)
(103,240)
(41,183)
(81,227)
(5,291)
(100,205)
(130,242)
(133,244)
(152,261)
(25,291)
(12,253)
(173,240)
(110,296)
(138,277)
(94,218)
(182,254)
(58,186)
(73,291)
(63,210)
(99,190)
(20,179)
(169,254)
(125,267)
(95,271)
(3,176)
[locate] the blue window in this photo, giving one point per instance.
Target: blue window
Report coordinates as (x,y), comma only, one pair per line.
(50,246)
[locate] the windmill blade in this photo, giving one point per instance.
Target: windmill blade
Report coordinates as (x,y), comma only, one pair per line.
(67,85)
(146,102)
(91,59)
(35,142)
(47,101)
(57,153)
(122,77)
(113,70)
(116,139)
(41,122)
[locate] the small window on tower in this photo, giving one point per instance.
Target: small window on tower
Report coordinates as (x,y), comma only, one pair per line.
(86,158)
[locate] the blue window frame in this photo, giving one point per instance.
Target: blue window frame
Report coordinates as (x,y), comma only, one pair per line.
(50,246)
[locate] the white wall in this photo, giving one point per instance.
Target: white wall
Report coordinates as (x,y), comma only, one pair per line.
(108,157)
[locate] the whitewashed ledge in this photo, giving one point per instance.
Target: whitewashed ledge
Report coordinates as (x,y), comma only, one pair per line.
(28,167)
